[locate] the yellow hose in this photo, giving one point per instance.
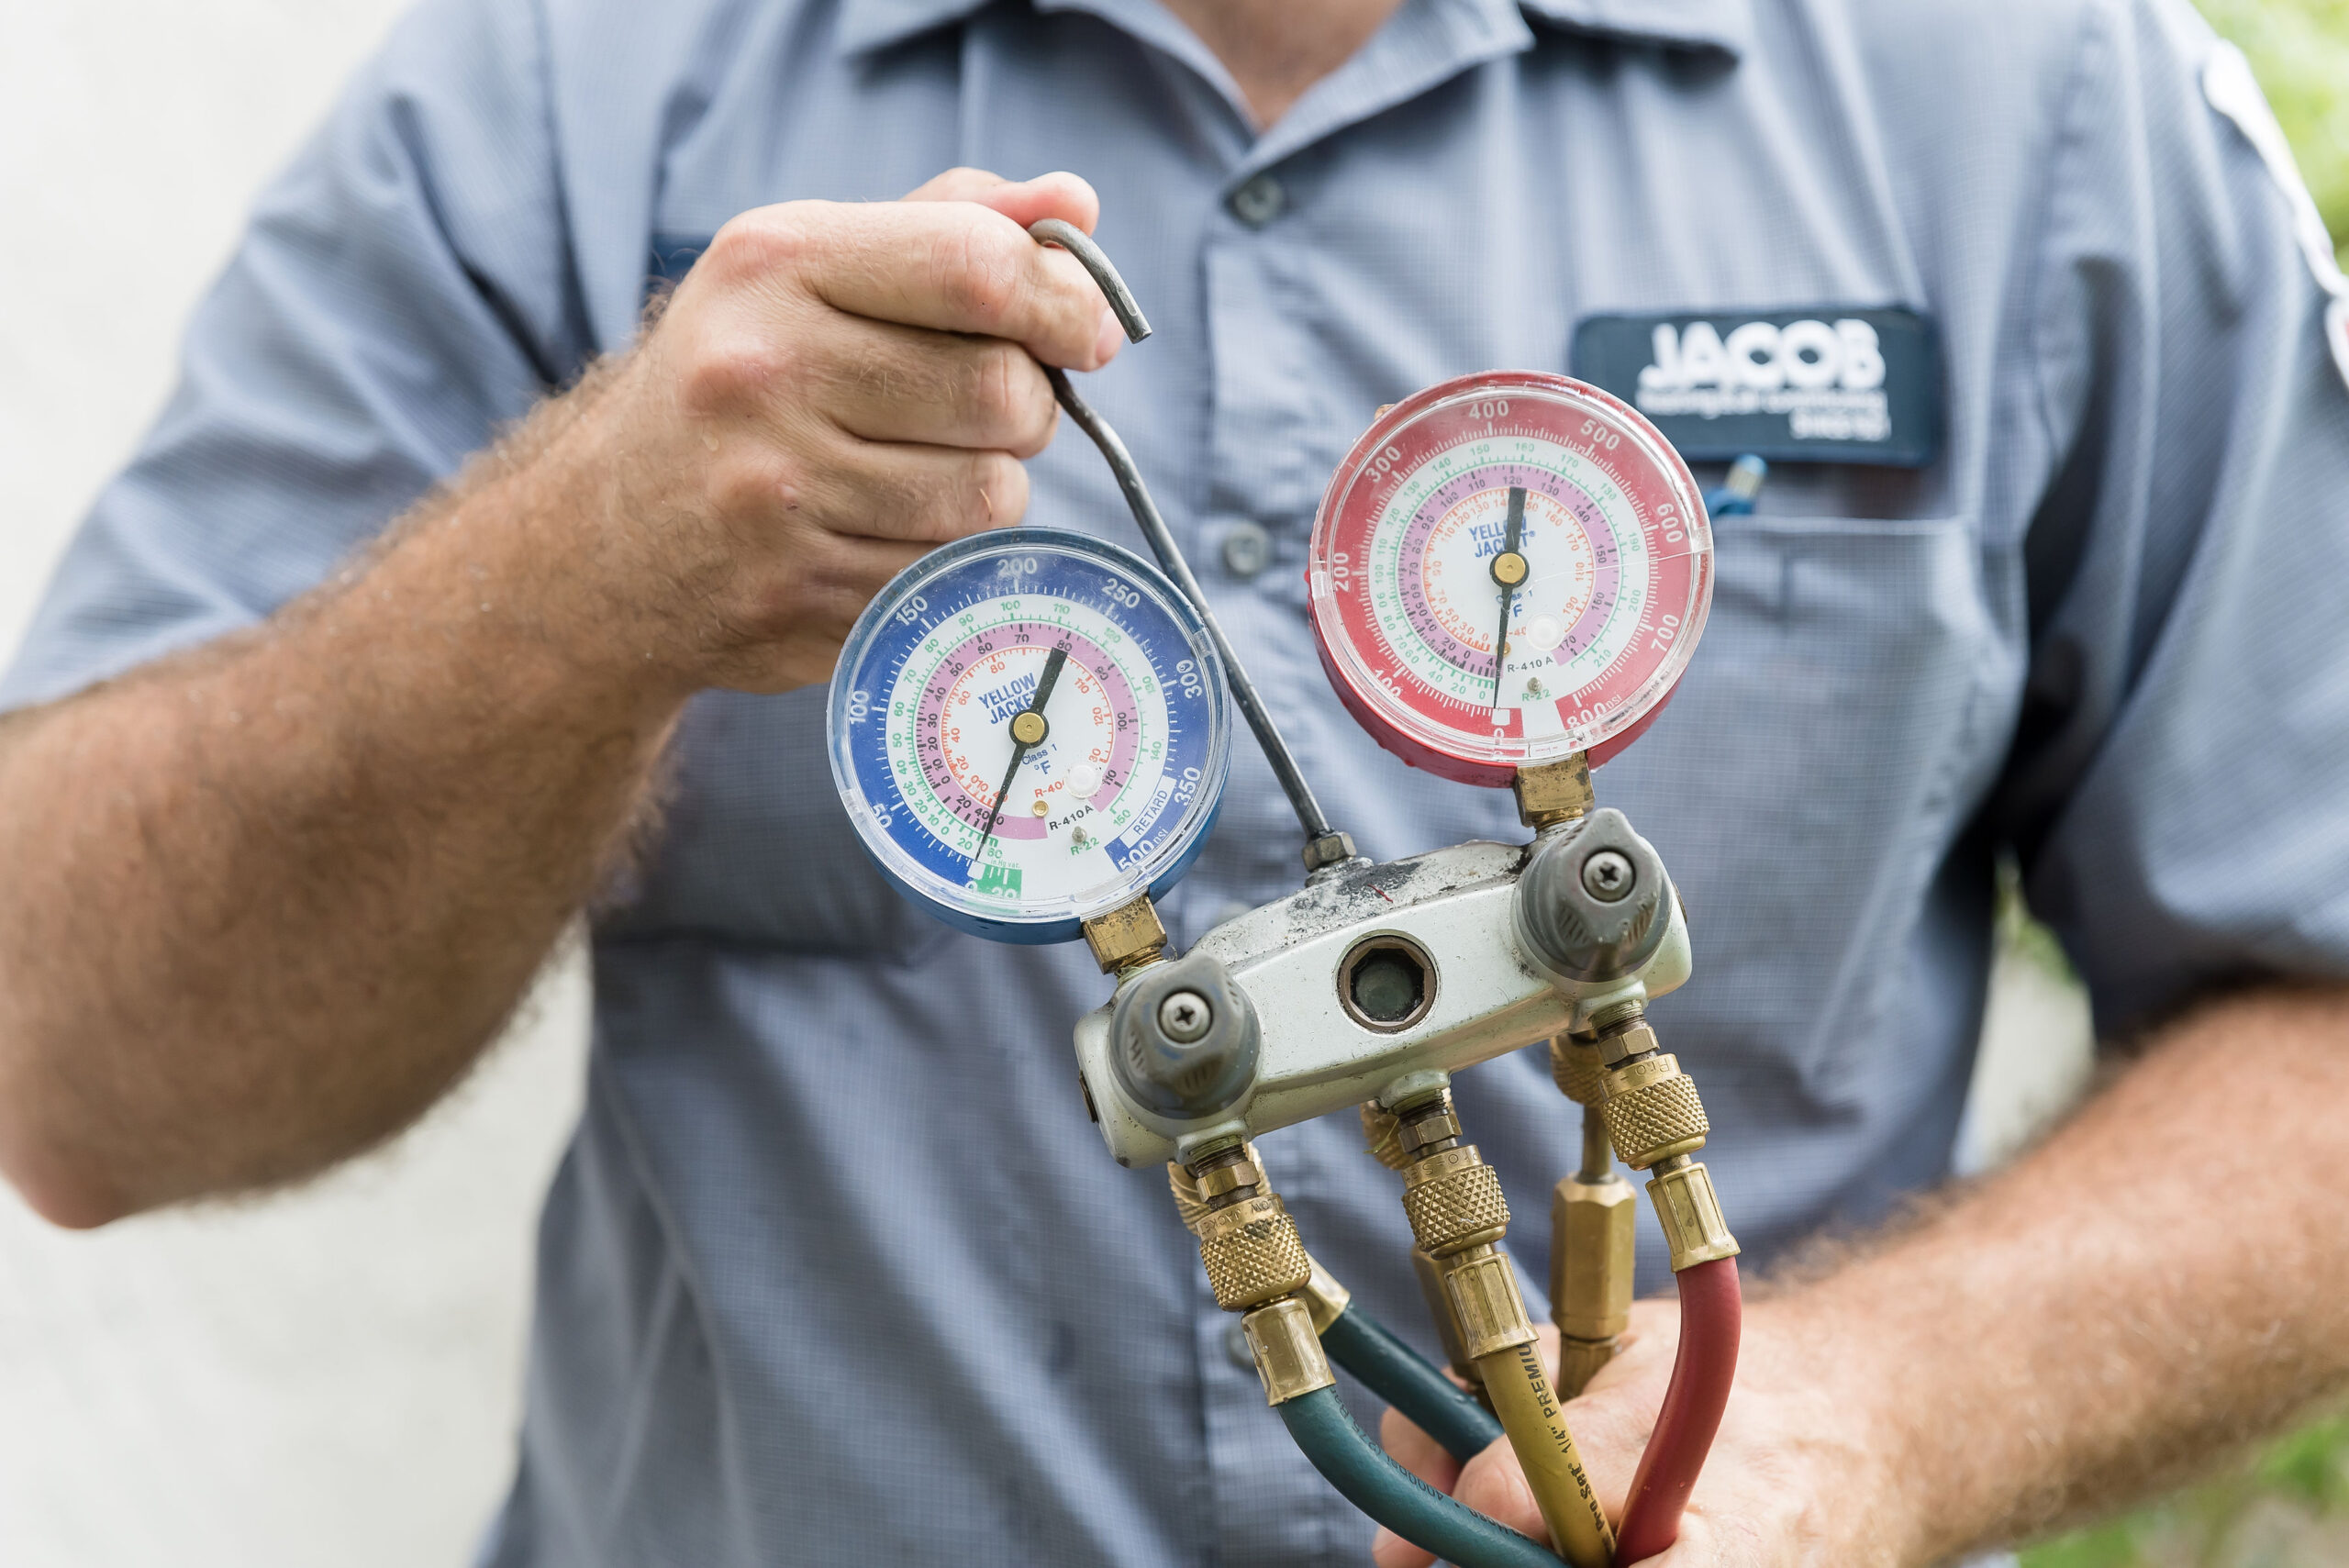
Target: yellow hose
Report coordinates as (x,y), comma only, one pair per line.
(1529,1413)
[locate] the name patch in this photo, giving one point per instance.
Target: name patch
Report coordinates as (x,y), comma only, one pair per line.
(1823,385)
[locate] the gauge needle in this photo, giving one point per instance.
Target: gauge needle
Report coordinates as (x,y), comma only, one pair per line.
(1508,572)
(1028,729)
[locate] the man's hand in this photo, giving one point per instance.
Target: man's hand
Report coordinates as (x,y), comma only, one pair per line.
(1795,1477)
(266,901)
(833,391)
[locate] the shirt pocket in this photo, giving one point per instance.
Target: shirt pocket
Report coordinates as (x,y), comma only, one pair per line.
(756,847)
(1831,738)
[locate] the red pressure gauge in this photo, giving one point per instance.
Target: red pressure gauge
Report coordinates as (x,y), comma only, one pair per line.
(1508,569)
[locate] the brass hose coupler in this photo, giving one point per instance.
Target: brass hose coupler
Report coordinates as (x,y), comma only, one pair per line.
(1459,1215)
(1257,1266)
(1286,1348)
(1382,1133)
(1657,1123)
(1455,1203)
(1594,1235)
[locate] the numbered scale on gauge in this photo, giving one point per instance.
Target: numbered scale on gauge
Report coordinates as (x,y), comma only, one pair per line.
(1508,569)
(1028,729)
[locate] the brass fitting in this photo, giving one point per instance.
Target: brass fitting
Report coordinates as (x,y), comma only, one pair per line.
(1458,1216)
(1593,1239)
(1258,1267)
(1127,936)
(1482,1286)
(1622,1031)
(1252,1253)
(1657,1122)
(1286,1346)
(1691,1214)
(1382,1136)
(1578,1068)
(1593,1229)
(1425,1131)
(1553,793)
(1652,1112)
(1324,1298)
(1446,1317)
(1193,1196)
(1454,1200)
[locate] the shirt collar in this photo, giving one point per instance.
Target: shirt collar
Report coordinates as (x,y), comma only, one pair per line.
(1721,26)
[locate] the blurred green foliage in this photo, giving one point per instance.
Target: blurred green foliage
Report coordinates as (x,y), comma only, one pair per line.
(2288,1506)
(2299,49)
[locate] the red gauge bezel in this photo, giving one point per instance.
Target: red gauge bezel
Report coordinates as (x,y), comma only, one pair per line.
(1432,729)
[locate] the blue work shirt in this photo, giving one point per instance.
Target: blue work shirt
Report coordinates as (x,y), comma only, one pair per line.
(835,1270)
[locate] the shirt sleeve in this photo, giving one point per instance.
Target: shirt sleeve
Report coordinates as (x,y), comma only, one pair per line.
(403,288)
(2178,792)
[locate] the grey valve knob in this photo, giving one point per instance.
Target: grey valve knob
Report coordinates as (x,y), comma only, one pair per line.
(1185,1037)
(1591,904)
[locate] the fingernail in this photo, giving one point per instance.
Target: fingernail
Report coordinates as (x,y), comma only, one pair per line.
(1110,339)
(1383,1545)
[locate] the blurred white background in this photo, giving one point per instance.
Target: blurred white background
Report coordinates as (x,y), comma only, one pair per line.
(331,1375)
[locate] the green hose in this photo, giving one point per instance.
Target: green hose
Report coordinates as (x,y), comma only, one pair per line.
(1391,1495)
(1402,1376)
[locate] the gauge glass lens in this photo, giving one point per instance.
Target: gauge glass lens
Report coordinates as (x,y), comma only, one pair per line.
(1508,569)
(1028,729)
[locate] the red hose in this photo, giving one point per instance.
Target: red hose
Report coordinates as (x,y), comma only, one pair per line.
(1701,1372)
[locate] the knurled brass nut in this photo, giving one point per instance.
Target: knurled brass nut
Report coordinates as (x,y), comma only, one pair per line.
(1655,1119)
(1252,1253)
(1457,1209)
(1580,1073)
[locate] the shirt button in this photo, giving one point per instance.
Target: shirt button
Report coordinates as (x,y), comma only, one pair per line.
(1247,550)
(1235,1345)
(1259,201)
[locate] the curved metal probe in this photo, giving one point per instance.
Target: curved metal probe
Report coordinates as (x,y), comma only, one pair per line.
(1081,245)
(1324,844)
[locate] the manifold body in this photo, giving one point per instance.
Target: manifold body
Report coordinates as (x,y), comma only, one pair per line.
(1490,991)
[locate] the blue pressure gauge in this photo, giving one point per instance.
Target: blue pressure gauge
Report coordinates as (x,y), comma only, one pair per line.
(1029,727)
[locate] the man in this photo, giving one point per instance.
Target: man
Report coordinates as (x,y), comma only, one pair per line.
(328,728)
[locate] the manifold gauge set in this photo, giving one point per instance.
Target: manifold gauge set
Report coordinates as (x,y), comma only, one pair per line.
(1031,730)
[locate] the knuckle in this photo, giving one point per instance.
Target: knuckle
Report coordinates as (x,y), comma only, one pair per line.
(759,243)
(979,273)
(988,489)
(1012,398)
(753,484)
(731,370)
(1000,486)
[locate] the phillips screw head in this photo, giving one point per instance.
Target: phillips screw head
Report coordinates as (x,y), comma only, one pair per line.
(1185,1017)
(1607,877)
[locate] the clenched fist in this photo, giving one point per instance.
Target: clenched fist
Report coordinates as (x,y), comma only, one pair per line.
(833,391)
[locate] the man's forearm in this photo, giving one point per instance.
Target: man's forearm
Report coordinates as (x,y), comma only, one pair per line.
(2168,1276)
(267,900)
(264,902)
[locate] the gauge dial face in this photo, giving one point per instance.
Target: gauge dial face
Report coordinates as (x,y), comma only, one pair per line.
(1508,569)
(1028,729)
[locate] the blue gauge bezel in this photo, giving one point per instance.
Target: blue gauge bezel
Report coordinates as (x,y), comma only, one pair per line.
(883,618)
